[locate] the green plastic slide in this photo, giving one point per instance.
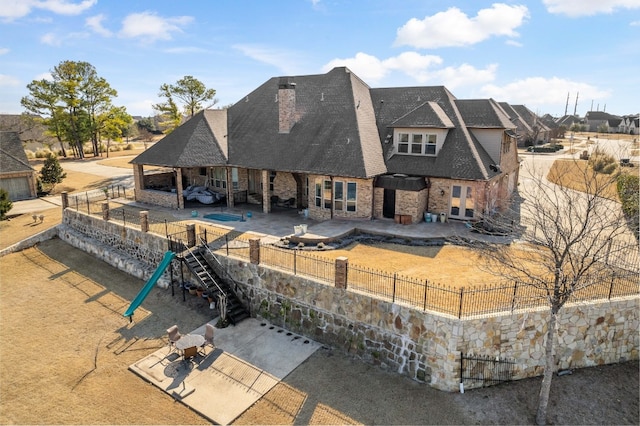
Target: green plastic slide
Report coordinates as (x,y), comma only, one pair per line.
(166,260)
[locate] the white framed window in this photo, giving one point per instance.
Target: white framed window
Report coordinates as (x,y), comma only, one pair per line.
(417,143)
(220,177)
(234,178)
(343,198)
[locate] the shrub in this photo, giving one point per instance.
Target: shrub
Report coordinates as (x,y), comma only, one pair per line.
(43,153)
(5,204)
(30,154)
(609,168)
(599,160)
(129,147)
(51,172)
(628,186)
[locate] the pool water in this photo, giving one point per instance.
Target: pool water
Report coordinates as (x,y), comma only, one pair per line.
(224,217)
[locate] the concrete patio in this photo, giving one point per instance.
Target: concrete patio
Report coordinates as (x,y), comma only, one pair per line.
(221,383)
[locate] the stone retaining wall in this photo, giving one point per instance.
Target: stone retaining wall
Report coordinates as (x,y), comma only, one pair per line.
(424,346)
(123,247)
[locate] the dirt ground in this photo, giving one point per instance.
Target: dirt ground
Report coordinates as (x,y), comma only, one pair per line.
(65,348)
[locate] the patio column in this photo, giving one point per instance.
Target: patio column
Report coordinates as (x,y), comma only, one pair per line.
(230,200)
(178,175)
(266,192)
(341,272)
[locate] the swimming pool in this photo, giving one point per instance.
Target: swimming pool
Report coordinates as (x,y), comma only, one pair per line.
(224,217)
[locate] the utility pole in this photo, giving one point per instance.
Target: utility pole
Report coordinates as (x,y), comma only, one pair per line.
(566,106)
(575,108)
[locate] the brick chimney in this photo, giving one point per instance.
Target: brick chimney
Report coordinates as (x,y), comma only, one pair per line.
(286,104)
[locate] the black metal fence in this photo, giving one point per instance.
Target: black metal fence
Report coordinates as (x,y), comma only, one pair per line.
(485,370)
(299,262)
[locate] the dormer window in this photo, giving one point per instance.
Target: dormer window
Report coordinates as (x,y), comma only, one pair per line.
(417,143)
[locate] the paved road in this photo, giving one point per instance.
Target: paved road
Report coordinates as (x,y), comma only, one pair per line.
(118,176)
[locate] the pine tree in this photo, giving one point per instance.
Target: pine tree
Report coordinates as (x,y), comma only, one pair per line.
(52,173)
(5,204)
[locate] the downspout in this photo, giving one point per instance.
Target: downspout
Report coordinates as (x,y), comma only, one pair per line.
(373,198)
(428,182)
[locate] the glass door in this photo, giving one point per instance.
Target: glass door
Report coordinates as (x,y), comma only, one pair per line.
(462,202)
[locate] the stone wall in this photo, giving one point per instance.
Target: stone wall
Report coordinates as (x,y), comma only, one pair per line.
(123,247)
(426,346)
(158,198)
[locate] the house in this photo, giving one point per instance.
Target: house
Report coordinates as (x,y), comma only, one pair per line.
(333,147)
(17,177)
(600,121)
(530,129)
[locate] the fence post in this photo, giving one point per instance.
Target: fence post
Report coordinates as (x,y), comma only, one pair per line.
(611,288)
(105,211)
(460,308)
(88,205)
(124,218)
(191,235)
(226,243)
(65,199)
(295,261)
(513,301)
(426,287)
(166,229)
(342,265)
(254,251)
(393,296)
(77,206)
(144,221)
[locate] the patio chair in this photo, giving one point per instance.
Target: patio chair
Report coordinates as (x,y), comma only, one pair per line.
(208,336)
(174,335)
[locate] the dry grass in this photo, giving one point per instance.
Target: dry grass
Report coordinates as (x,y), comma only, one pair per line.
(65,346)
(571,174)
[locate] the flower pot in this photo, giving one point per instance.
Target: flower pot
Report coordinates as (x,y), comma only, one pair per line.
(192,290)
(199,292)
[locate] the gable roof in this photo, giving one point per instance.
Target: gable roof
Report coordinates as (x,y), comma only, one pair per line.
(461,155)
(199,142)
(484,114)
(13,158)
(334,132)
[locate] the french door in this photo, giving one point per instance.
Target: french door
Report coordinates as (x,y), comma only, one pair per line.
(462,202)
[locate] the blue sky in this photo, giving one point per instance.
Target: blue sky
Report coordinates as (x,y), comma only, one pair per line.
(522,52)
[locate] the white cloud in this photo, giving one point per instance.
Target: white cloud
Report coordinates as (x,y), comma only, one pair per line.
(185,49)
(149,27)
(541,91)
(284,60)
(95,24)
(13,9)
(4,50)
(454,28)
(8,81)
(53,39)
(44,76)
(635,24)
(421,68)
(367,67)
(575,8)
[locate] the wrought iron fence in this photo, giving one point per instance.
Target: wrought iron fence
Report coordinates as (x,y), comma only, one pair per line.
(471,301)
(299,262)
(485,369)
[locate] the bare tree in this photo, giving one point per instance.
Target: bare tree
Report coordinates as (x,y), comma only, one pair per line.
(574,238)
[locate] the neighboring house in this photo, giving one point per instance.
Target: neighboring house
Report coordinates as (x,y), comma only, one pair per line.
(530,129)
(600,121)
(17,177)
(334,147)
(568,121)
(630,124)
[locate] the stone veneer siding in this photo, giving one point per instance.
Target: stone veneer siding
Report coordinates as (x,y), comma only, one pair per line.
(424,346)
(123,247)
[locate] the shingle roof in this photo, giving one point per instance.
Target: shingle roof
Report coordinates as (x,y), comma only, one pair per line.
(484,113)
(334,132)
(199,142)
(338,128)
(461,155)
(12,156)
